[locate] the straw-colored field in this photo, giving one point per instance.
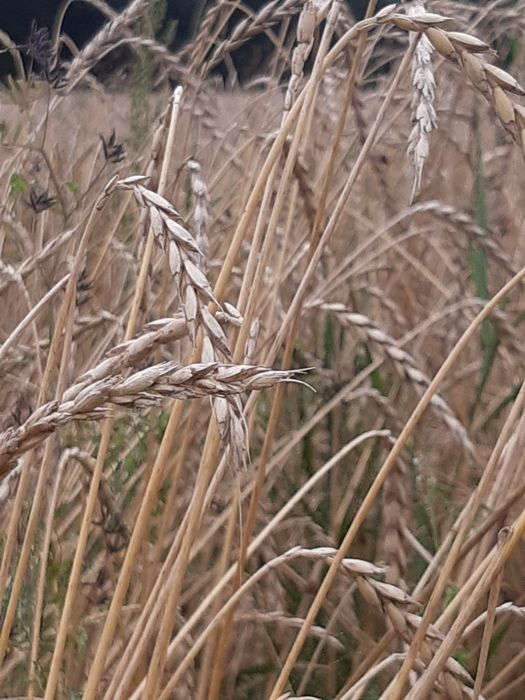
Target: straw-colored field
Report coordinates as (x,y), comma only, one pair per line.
(262,424)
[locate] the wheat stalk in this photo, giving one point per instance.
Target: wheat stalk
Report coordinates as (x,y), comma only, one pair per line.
(460,219)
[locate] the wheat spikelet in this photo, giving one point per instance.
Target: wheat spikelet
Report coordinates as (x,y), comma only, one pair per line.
(388,599)
(201,198)
(144,388)
(396,605)
(184,256)
(171,62)
(423,113)
(103,42)
(485,239)
(195,48)
(404,363)
(306,25)
(185,260)
(395,509)
(463,49)
(269,14)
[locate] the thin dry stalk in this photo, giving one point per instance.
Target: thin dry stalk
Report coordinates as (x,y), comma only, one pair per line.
(62,335)
(487,634)
(305,33)
(464,523)
(372,493)
(106,432)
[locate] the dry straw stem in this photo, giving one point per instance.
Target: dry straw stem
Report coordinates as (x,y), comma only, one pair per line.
(30,264)
(60,348)
(487,634)
(276,150)
(154,483)
(32,314)
(463,525)
(147,619)
(296,305)
(39,600)
(387,598)
(356,567)
(306,28)
(379,480)
(10,45)
(261,537)
(289,324)
(270,230)
(331,164)
(107,428)
(508,540)
(298,299)
(510,461)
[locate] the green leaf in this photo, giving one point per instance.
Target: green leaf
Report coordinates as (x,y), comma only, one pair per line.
(72,186)
(478,273)
(17,185)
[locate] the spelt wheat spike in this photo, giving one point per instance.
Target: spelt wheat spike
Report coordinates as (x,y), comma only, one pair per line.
(405,363)
(103,42)
(143,388)
(423,113)
(270,14)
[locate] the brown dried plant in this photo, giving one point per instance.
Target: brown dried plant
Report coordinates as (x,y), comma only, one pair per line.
(337,543)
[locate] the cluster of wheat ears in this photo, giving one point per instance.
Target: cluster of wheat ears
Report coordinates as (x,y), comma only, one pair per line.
(262,425)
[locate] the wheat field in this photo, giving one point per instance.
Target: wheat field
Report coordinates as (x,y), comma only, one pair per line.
(262,424)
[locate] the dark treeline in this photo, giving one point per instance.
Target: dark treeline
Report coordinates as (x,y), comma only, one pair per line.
(82,20)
